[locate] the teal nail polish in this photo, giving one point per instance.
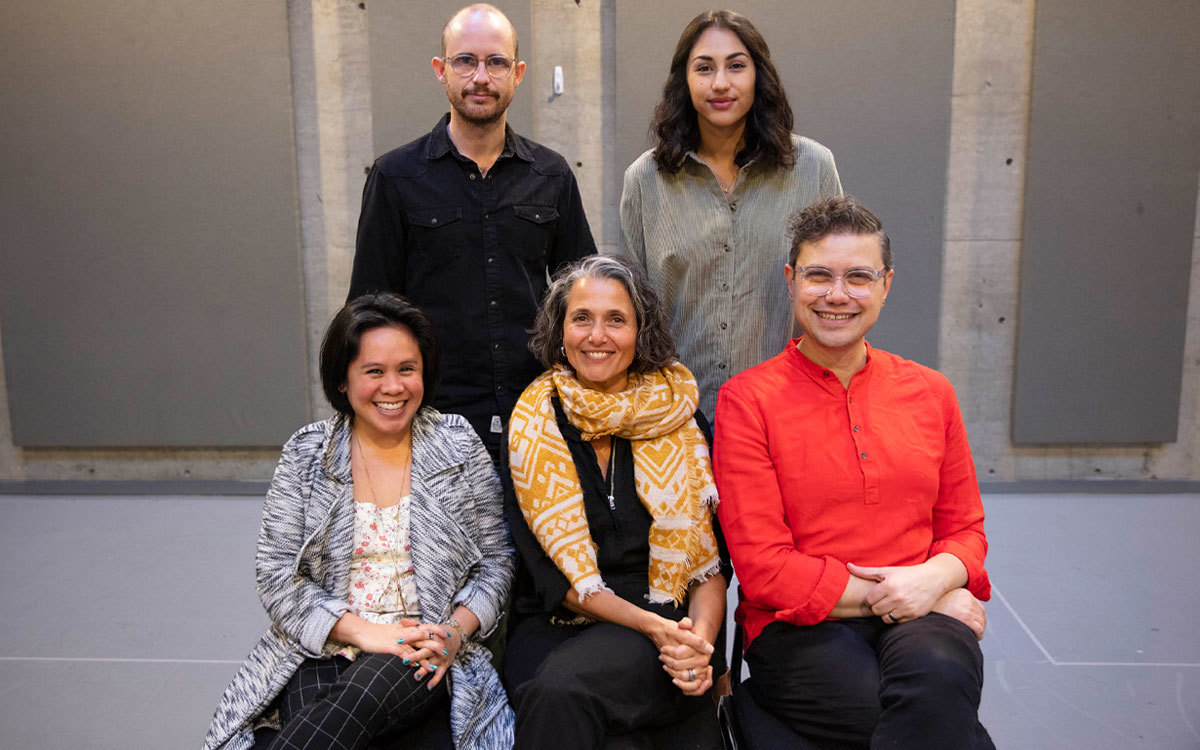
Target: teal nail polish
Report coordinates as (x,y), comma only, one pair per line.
(447,633)
(400,641)
(406,660)
(433,667)
(419,675)
(445,652)
(429,687)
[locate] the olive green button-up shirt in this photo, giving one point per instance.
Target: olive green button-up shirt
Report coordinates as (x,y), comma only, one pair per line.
(717,260)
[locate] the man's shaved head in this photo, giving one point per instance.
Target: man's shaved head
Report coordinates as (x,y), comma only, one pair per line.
(494,16)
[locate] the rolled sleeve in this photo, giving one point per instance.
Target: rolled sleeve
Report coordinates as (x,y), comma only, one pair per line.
(958,512)
(296,604)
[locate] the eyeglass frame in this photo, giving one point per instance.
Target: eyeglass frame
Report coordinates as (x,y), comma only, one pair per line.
(448,61)
(876,275)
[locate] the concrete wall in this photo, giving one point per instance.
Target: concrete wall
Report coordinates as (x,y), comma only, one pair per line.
(990,107)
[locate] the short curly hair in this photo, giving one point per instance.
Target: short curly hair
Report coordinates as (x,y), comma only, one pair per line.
(842,215)
(654,347)
(344,335)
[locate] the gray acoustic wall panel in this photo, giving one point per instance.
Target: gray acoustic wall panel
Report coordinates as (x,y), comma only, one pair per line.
(1114,156)
(150,271)
(871,80)
(406,99)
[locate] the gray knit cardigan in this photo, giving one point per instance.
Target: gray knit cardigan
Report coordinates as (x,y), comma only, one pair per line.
(460,551)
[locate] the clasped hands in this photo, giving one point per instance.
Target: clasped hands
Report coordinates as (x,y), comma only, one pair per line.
(684,654)
(906,592)
(429,648)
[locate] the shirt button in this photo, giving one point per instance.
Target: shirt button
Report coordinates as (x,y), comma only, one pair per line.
(864,455)
(856,428)
(491,259)
(727,248)
(721,366)
(733,206)
(724,287)
(434,221)
(500,389)
(537,216)
(492,303)
(826,374)
(487,216)
(724,326)
(497,348)
(472,175)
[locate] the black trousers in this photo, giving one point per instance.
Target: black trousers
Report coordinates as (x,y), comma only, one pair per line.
(370,703)
(594,686)
(858,683)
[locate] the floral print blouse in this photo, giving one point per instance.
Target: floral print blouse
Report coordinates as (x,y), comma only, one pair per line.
(383,587)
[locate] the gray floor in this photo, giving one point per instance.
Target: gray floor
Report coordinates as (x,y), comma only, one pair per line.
(124,617)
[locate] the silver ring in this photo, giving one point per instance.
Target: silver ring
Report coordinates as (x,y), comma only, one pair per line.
(895,619)
(691,675)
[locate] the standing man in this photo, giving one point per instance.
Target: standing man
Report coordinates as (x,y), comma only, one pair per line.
(469,220)
(852,513)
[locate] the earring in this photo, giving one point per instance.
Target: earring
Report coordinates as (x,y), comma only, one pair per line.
(562,350)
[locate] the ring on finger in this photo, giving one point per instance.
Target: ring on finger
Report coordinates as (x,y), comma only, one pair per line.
(691,675)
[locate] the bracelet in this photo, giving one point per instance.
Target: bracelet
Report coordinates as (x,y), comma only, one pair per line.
(462,636)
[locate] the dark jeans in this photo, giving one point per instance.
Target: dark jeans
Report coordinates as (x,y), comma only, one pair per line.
(601,685)
(371,703)
(858,683)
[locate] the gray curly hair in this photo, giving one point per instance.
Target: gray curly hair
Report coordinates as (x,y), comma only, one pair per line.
(654,347)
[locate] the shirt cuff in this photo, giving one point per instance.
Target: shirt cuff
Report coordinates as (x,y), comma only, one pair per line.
(830,586)
(977,578)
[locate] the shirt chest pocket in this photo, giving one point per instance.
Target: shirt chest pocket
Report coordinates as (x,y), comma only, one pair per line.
(437,234)
(534,228)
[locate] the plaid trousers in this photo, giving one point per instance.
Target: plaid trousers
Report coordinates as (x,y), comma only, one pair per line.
(371,703)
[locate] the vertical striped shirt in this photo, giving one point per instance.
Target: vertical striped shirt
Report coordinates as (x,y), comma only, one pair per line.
(717,260)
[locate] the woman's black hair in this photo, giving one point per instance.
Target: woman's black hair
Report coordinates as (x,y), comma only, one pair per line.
(342,338)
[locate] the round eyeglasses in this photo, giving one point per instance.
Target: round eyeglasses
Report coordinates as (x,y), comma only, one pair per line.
(857,282)
(465,65)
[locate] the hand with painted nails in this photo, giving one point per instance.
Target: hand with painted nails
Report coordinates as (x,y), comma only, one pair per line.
(437,646)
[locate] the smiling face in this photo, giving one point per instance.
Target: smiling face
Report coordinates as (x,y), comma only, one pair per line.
(479,99)
(600,333)
(384,383)
(720,76)
(836,323)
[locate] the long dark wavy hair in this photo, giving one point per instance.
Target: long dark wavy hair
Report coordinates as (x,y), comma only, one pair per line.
(768,135)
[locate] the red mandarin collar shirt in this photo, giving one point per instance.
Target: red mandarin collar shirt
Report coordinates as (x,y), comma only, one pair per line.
(813,475)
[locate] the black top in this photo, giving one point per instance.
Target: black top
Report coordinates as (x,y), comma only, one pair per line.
(473,253)
(621,533)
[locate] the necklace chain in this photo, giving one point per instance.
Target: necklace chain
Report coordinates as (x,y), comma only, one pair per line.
(397,578)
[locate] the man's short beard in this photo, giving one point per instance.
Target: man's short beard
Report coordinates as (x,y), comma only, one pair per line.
(484,121)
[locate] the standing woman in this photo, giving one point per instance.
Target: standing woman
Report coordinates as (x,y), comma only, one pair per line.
(704,211)
(381,559)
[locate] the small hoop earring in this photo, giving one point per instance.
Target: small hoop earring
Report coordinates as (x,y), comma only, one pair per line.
(562,350)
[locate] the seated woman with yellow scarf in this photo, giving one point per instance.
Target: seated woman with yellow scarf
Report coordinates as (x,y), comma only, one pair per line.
(621,593)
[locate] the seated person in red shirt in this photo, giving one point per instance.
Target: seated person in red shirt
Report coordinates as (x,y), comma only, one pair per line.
(852,513)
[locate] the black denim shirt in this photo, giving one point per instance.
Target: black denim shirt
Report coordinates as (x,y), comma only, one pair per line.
(473,252)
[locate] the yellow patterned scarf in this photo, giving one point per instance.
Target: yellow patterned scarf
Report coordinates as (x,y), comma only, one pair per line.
(671,472)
